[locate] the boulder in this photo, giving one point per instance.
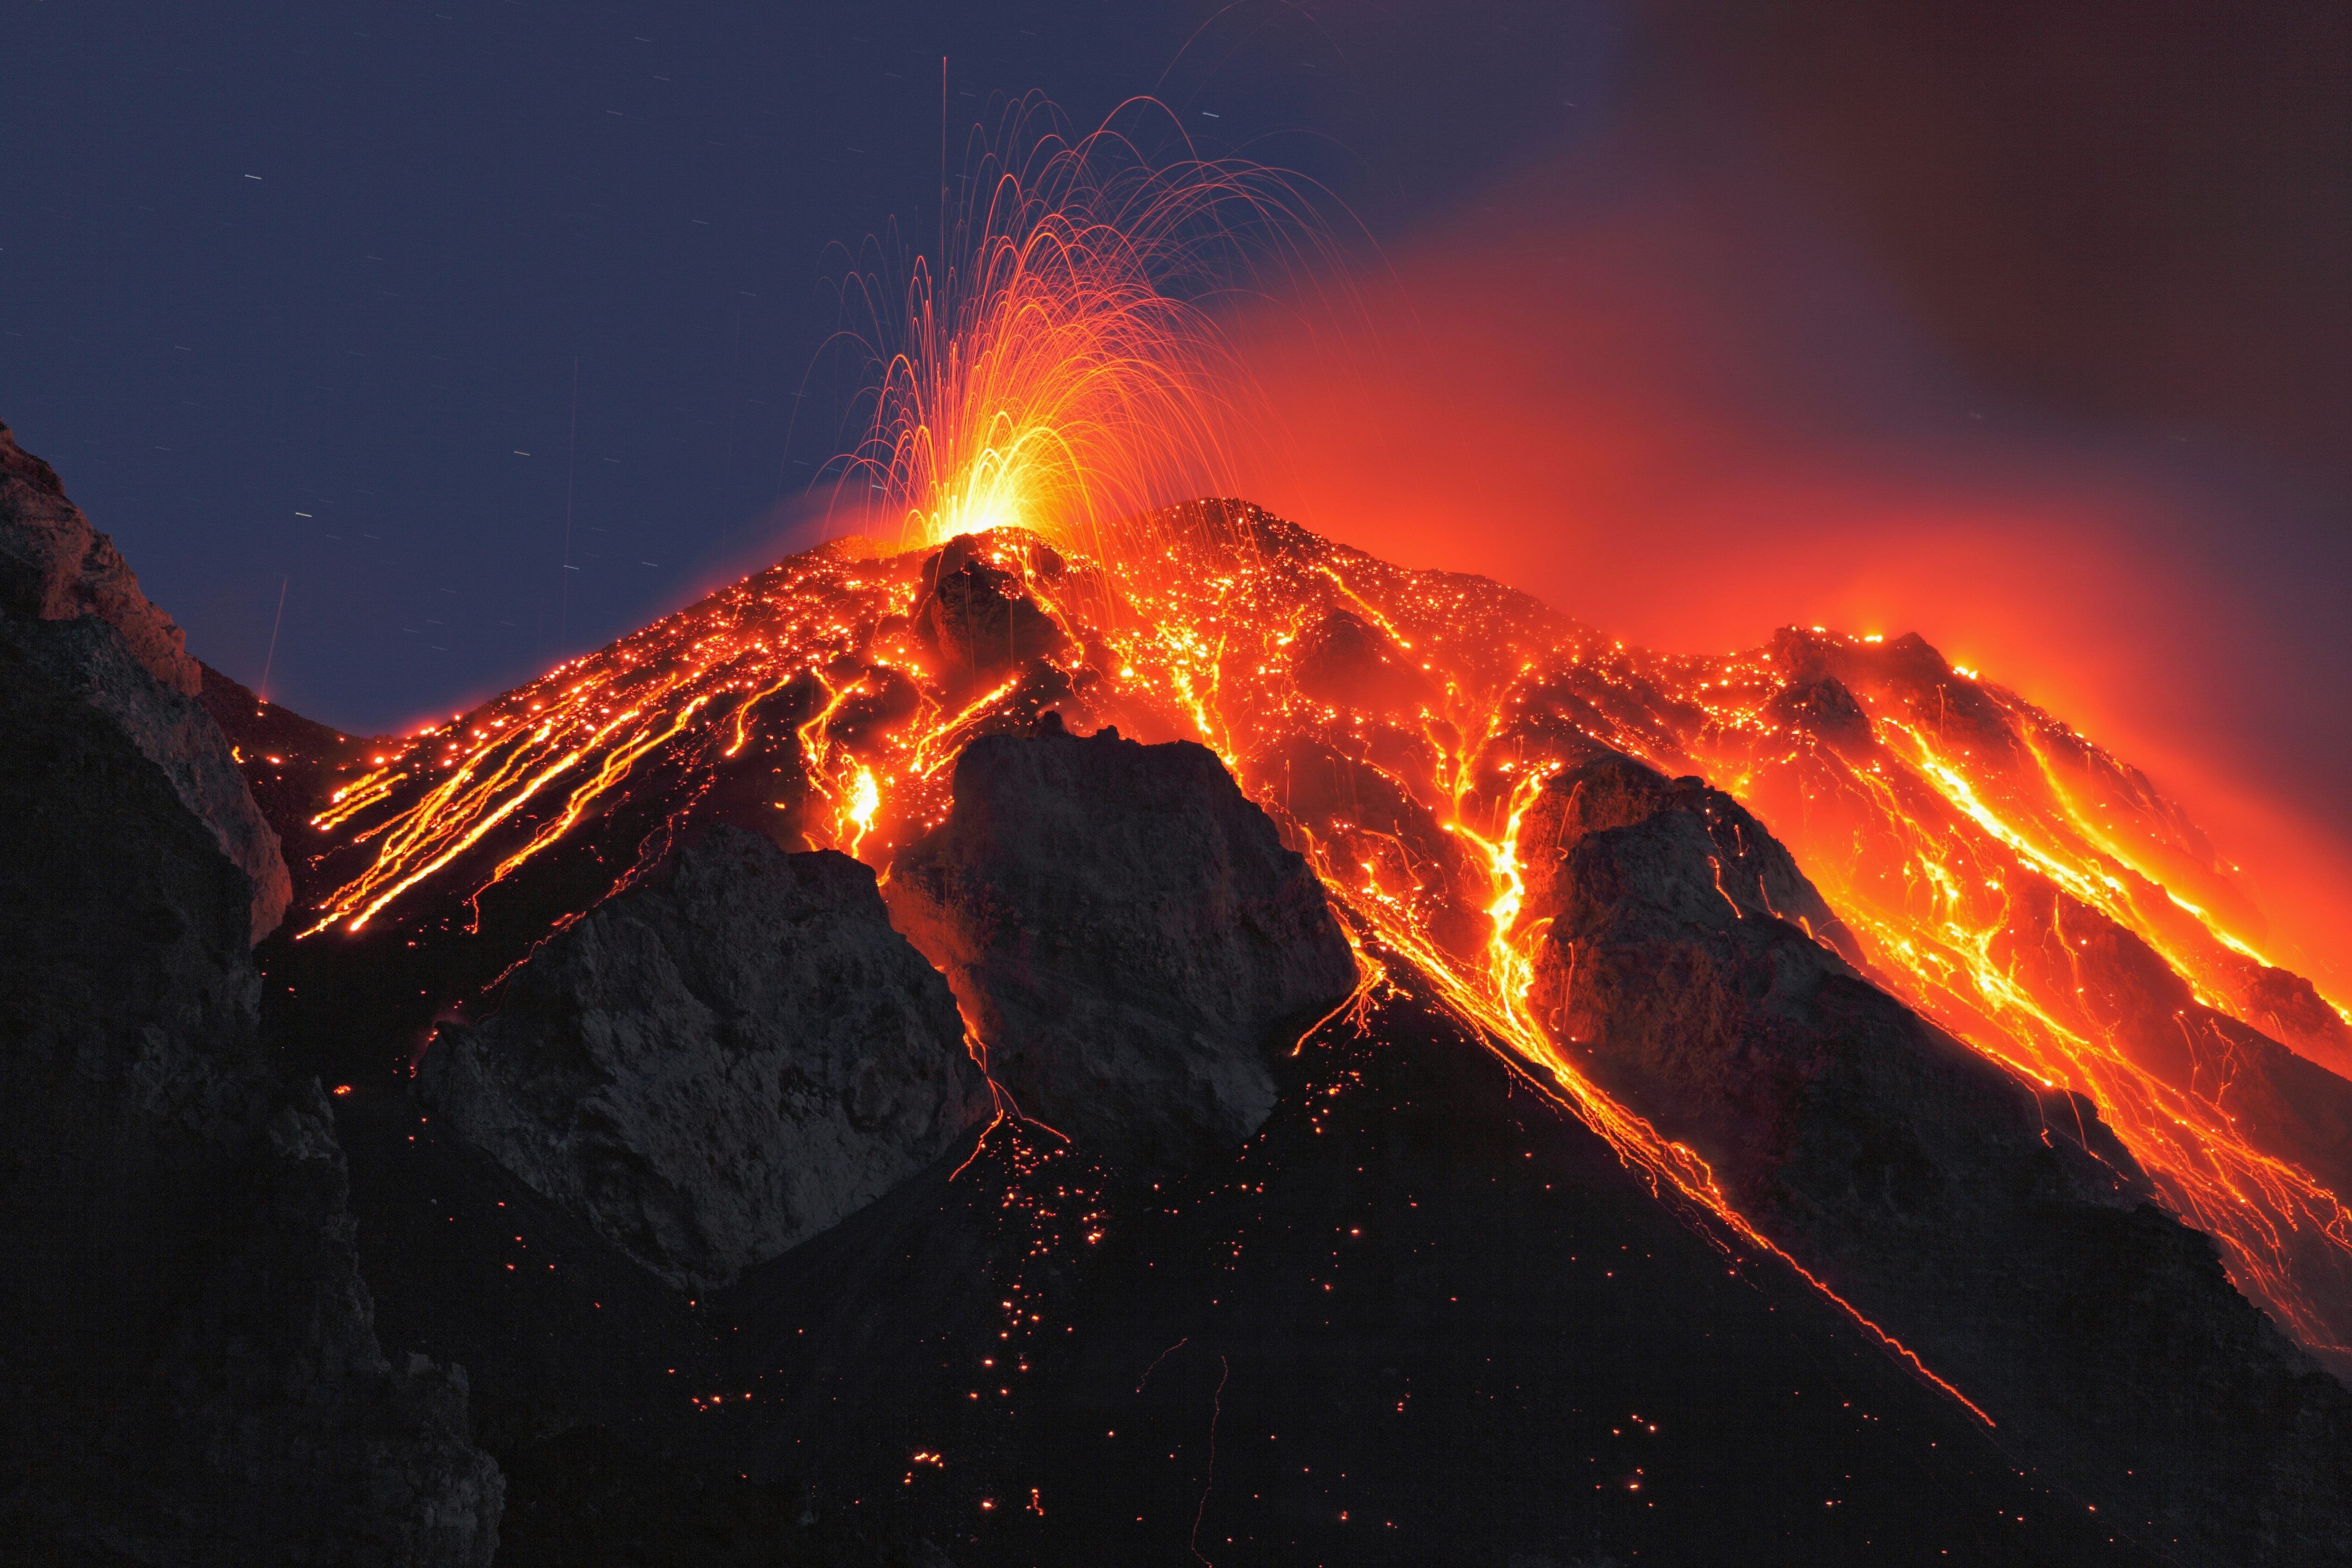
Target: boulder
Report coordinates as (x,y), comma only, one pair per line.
(975,610)
(1127,934)
(718,1063)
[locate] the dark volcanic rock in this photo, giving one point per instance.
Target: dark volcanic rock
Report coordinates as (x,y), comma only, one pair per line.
(1363,815)
(54,567)
(2124,992)
(2008,1246)
(60,583)
(1408,1324)
(1747,870)
(189,1371)
(1824,707)
(1345,660)
(2298,1015)
(718,1064)
(1905,670)
(1128,933)
(976,611)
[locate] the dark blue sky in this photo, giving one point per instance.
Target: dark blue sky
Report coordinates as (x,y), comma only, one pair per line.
(296,291)
(288,291)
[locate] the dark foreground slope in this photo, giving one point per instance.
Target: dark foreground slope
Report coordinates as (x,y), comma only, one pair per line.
(1423,1317)
(1416,1314)
(189,1366)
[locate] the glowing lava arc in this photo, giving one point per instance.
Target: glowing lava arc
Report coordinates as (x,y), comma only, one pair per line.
(1066,373)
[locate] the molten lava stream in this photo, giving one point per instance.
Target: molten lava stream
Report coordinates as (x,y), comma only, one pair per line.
(1905,842)
(1258,602)
(1980,891)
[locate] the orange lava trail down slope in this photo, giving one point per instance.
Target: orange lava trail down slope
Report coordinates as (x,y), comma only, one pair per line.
(2008,879)
(1397,724)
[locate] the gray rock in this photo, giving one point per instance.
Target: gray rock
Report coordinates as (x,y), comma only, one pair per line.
(718,1063)
(975,610)
(1997,1229)
(190,1371)
(1127,933)
(60,581)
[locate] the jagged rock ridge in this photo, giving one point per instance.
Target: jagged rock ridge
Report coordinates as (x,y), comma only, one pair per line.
(1696,974)
(60,579)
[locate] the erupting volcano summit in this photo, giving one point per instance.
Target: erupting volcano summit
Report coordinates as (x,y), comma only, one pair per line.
(1882,982)
(1095,1032)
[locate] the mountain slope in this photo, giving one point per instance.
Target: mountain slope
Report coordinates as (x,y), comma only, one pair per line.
(1412,736)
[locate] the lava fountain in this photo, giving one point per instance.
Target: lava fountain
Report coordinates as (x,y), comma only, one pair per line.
(1061,367)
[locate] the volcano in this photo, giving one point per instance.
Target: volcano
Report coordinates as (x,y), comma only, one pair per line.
(1198,1046)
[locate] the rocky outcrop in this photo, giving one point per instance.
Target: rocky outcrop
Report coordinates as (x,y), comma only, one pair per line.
(60,583)
(1126,933)
(54,567)
(718,1063)
(975,610)
(1362,815)
(2293,1011)
(1998,1230)
(1344,660)
(2123,991)
(189,1370)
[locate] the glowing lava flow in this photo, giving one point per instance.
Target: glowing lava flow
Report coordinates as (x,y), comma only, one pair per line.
(1398,725)
(2012,882)
(1935,818)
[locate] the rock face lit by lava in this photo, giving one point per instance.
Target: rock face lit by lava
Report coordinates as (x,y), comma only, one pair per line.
(58,573)
(1127,933)
(975,614)
(1696,974)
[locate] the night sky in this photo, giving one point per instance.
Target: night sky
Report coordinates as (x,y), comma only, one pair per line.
(2024,325)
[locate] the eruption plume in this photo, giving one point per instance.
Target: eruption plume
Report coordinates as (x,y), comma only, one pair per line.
(1061,367)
